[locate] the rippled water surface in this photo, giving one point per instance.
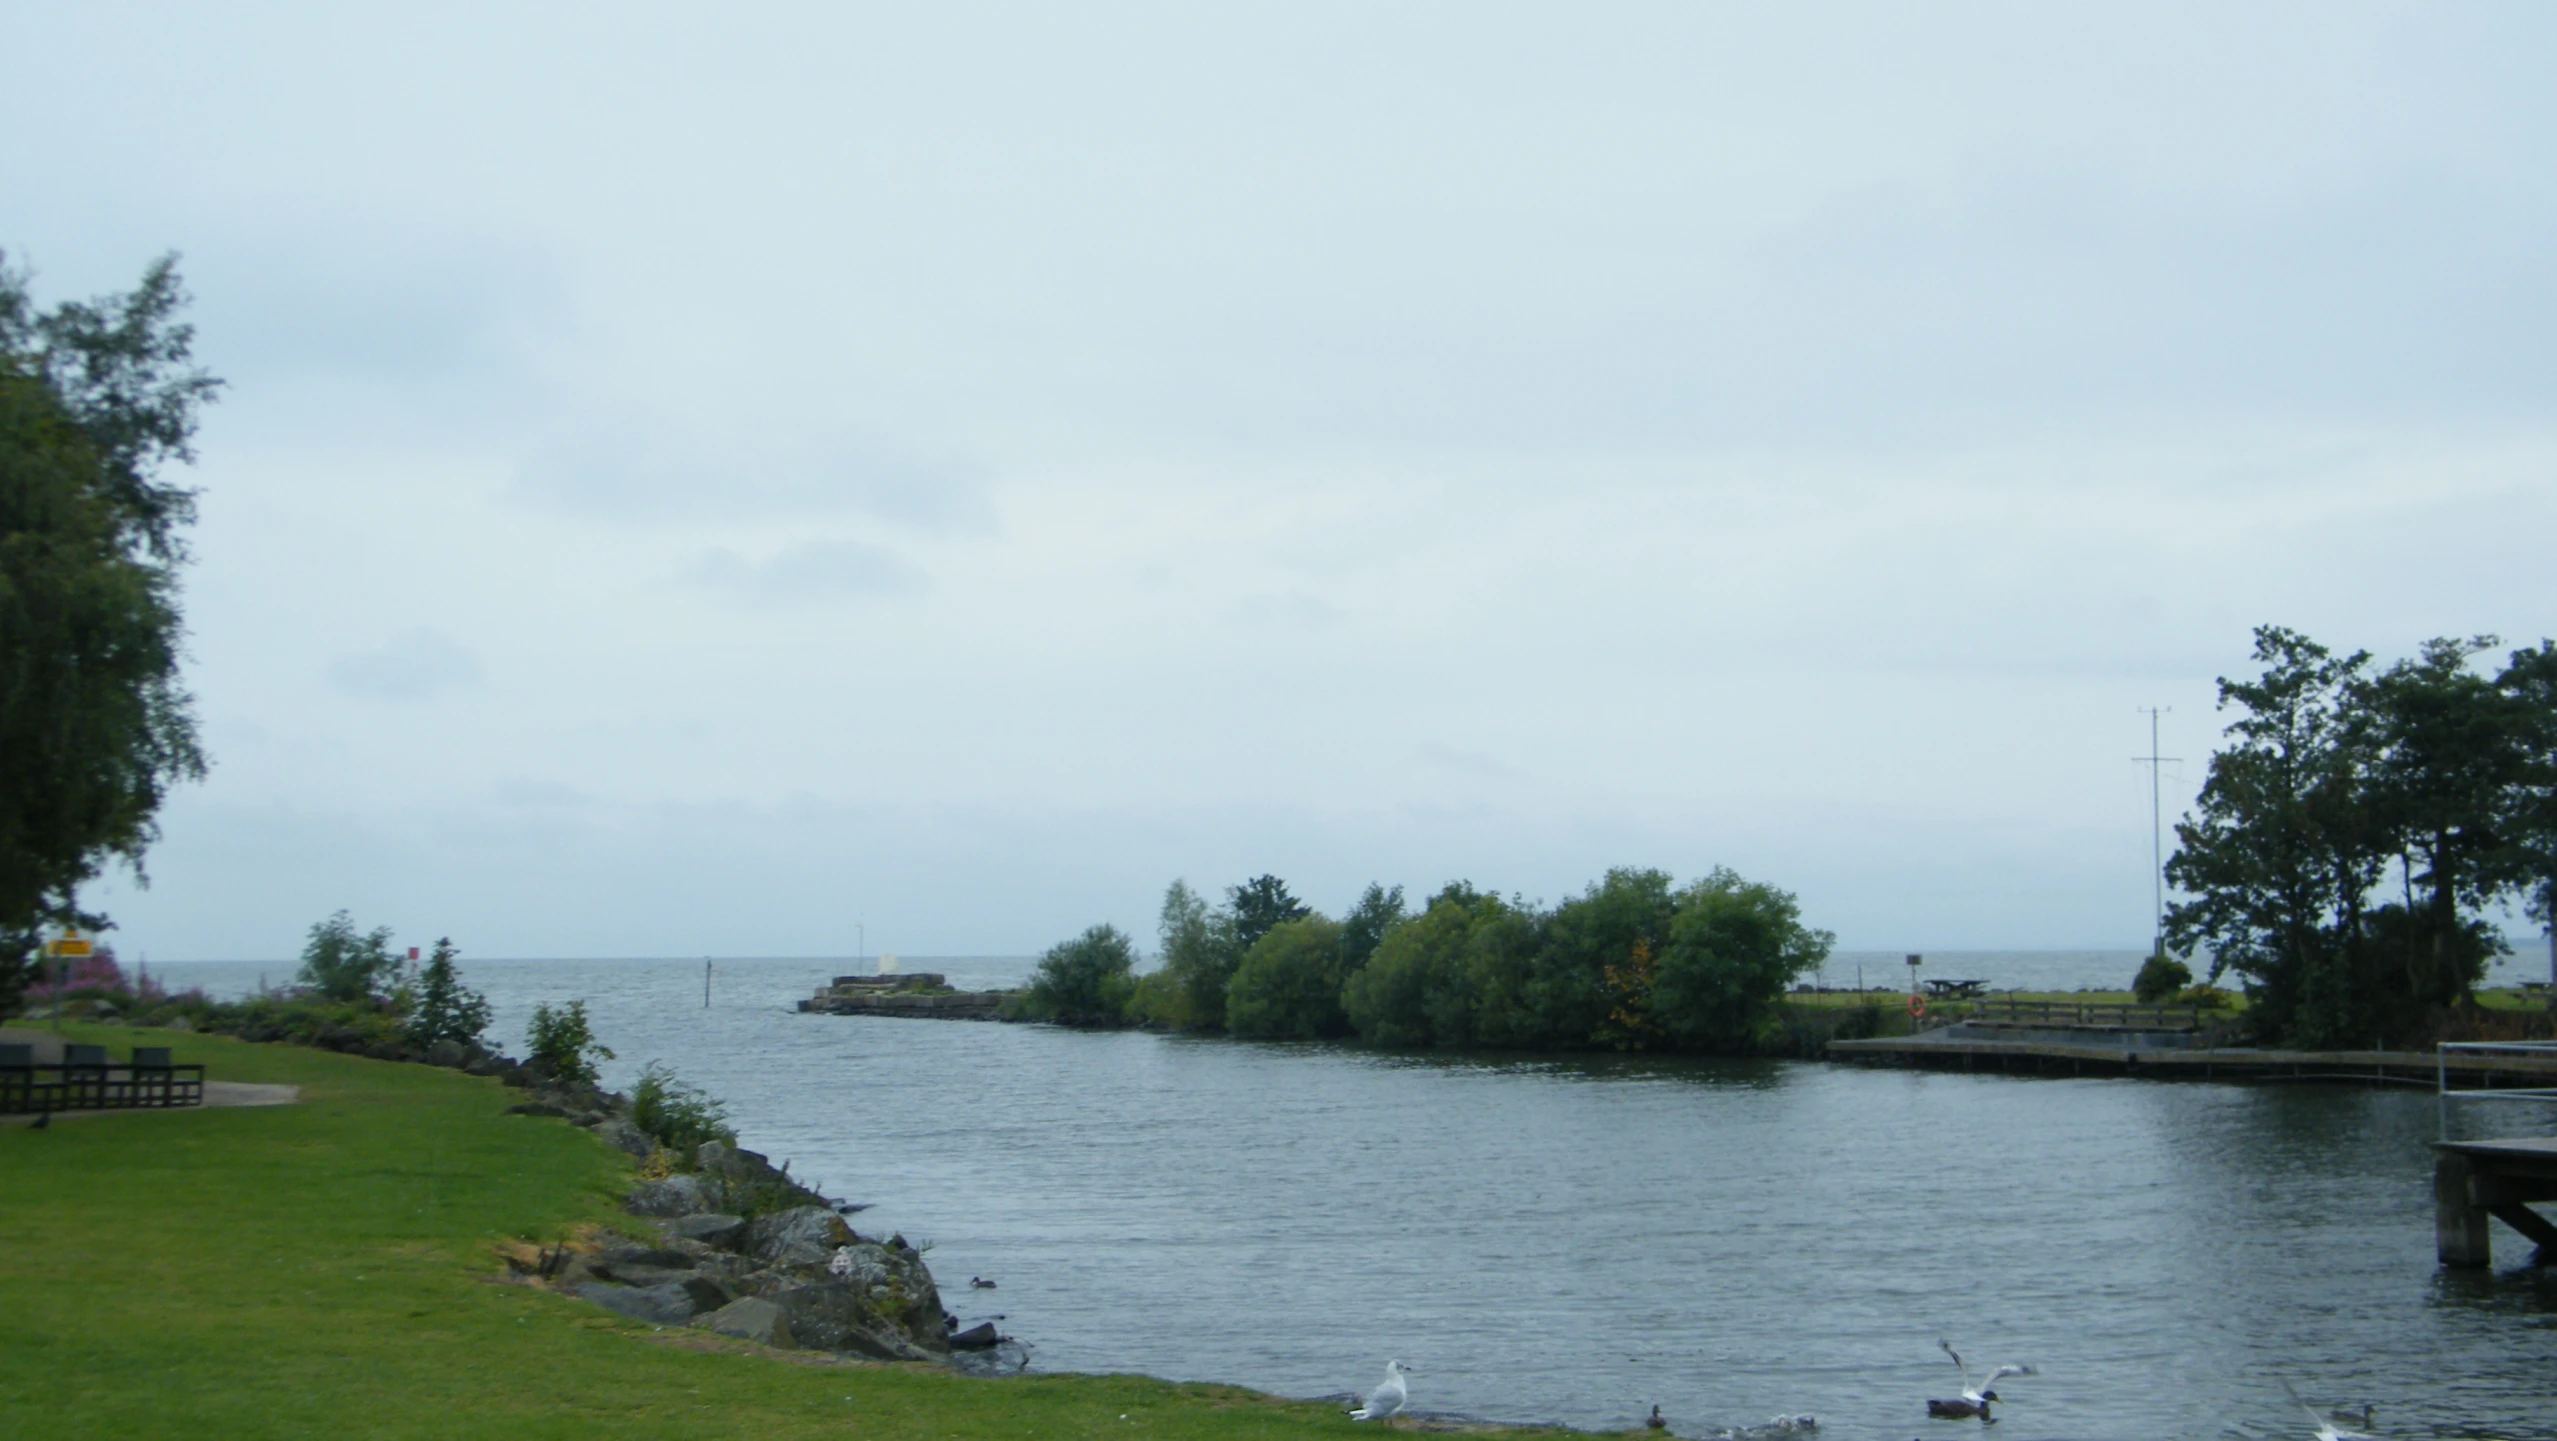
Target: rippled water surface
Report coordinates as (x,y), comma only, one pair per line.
(1576,1240)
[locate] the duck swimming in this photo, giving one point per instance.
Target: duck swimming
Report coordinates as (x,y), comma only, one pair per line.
(1976,1399)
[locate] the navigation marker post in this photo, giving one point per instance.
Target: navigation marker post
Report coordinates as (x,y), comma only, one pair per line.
(69,946)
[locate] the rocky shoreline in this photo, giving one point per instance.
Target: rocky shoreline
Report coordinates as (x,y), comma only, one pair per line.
(923,996)
(723,1241)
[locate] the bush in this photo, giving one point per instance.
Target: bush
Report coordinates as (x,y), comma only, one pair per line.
(1289,985)
(1734,946)
(343,966)
(679,1115)
(2161,976)
(441,1008)
(1087,981)
(564,1042)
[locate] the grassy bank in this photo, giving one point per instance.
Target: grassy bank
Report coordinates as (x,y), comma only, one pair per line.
(327,1269)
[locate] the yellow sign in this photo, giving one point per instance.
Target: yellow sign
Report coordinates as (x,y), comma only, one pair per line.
(70,948)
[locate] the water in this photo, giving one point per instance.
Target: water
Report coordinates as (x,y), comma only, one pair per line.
(1572,1241)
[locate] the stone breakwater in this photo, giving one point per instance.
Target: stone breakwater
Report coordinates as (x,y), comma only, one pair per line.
(923,995)
(731,1244)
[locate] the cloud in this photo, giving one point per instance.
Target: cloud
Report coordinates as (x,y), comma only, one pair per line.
(814,573)
(416,665)
(636,479)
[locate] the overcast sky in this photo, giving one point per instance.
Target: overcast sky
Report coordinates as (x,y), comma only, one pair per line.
(696,481)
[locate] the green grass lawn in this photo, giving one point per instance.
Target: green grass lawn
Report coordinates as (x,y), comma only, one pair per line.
(328,1269)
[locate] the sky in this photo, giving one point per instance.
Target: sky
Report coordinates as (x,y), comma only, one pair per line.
(787,479)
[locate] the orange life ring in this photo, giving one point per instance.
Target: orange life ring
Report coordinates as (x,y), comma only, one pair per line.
(1917,1007)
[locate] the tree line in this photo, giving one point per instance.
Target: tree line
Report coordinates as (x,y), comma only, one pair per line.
(2358,828)
(1635,962)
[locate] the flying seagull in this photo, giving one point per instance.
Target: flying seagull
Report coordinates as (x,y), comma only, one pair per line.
(1388,1397)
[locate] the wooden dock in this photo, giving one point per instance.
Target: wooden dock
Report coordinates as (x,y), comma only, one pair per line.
(2474,1180)
(2169,1055)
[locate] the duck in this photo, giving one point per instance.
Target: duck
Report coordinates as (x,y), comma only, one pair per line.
(1976,1399)
(980,1283)
(2331,1426)
(1388,1397)
(1654,1420)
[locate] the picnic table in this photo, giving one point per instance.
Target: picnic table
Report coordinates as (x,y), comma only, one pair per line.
(1953,990)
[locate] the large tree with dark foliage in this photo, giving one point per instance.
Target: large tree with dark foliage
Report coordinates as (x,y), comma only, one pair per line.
(95,727)
(2338,782)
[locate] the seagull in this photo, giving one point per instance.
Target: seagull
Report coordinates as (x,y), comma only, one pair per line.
(1976,1399)
(2328,1428)
(1388,1397)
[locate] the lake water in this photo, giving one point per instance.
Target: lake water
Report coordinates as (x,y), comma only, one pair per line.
(1575,1240)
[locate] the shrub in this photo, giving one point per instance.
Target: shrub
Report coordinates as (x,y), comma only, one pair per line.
(1734,946)
(343,966)
(1289,985)
(1087,981)
(441,1008)
(564,1041)
(679,1115)
(2161,976)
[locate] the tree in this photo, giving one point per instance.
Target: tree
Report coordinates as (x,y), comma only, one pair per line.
(1085,981)
(344,966)
(1199,957)
(2451,746)
(2336,775)
(443,1009)
(1259,906)
(2530,824)
(1734,946)
(1289,984)
(563,1043)
(2281,853)
(94,726)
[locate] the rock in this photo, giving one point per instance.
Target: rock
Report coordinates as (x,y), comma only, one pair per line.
(485,1066)
(179,1023)
(674,1196)
(801,1236)
(452,1055)
(707,1293)
(535,1108)
(667,1304)
(979,1337)
(751,1318)
(833,1316)
(621,1135)
(711,1228)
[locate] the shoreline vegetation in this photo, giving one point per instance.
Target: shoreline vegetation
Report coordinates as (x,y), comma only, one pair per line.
(1634,963)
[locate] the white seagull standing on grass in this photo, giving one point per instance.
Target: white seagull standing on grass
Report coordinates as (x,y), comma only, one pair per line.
(1387,1398)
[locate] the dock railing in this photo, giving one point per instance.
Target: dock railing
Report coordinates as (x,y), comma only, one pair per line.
(2115,1014)
(2534,1050)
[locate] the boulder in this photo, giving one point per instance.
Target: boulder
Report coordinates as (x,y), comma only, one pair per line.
(670,1303)
(979,1337)
(535,1108)
(711,1228)
(834,1316)
(674,1196)
(621,1135)
(751,1318)
(800,1236)
(451,1054)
